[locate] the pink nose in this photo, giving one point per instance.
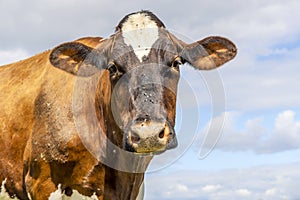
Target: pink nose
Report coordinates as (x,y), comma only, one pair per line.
(151,136)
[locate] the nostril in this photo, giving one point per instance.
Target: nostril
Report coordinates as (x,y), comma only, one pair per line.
(161,134)
(135,138)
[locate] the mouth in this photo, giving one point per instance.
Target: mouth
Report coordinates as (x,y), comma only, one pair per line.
(144,151)
(155,153)
(144,147)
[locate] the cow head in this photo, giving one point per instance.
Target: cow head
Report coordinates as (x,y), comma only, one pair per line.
(143,60)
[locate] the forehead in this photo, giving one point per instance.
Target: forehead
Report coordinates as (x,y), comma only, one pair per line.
(140,35)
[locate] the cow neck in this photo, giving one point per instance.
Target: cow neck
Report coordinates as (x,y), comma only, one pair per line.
(118,184)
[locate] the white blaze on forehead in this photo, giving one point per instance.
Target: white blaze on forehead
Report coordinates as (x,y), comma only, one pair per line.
(140,32)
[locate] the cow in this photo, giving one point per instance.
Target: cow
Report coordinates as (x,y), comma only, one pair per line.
(88,115)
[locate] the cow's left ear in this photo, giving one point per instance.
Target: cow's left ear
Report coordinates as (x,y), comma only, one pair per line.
(209,53)
(76,58)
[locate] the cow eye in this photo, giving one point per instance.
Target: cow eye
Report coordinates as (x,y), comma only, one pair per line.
(112,68)
(114,71)
(176,63)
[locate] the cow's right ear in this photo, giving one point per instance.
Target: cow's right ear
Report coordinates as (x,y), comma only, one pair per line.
(76,58)
(209,53)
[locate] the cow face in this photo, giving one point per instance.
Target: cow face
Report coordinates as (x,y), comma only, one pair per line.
(143,59)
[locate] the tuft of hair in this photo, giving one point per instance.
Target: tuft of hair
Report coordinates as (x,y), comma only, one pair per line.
(143,12)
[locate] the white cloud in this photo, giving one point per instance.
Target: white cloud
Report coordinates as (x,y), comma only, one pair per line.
(243,192)
(252,135)
(262,29)
(271,192)
(211,188)
(181,188)
(267,183)
(7,57)
(256,84)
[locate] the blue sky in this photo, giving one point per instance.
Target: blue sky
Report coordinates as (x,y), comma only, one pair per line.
(257,155)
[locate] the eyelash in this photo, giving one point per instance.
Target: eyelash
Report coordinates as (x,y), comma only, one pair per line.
(113,70)
(176,63)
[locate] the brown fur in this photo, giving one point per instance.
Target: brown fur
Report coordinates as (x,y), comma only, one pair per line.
(36,101)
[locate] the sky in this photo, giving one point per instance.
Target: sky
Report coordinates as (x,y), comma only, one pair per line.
(256,154)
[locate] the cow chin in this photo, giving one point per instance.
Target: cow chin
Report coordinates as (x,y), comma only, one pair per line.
(152,137)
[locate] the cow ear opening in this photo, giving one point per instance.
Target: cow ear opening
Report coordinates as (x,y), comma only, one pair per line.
(209,53)
(76,58)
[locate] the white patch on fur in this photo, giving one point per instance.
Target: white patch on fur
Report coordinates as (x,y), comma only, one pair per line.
(3,194)
(58,195)
(140,32)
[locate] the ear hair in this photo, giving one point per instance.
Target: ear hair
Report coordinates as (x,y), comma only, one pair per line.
(75,58)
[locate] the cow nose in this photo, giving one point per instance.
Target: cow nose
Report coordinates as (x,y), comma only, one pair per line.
(151,136)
